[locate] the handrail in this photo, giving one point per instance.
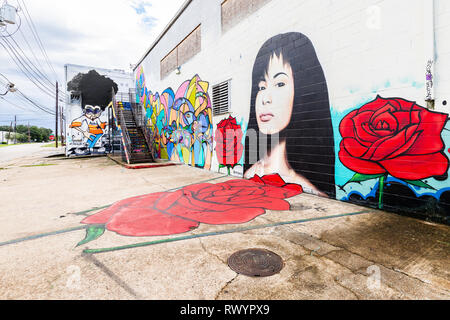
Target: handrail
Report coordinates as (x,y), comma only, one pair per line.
(126,141)
(139,117)
(126,137)
(148,138)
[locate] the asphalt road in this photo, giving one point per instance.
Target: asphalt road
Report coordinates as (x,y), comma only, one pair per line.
(14,152)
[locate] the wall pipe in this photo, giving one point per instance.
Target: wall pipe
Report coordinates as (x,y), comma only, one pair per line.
(430,51)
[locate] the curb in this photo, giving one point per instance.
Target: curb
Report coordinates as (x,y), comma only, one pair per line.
(142,166)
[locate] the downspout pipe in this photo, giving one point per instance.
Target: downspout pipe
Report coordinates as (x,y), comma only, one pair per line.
(430,51)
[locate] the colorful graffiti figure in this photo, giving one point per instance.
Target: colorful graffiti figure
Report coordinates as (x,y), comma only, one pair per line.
(180,122)
(91,127)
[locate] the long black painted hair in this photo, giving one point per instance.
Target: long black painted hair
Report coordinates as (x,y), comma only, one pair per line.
(309,135)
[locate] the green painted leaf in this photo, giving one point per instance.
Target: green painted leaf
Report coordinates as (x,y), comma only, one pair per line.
(364,177)
(419,183)
(92,233)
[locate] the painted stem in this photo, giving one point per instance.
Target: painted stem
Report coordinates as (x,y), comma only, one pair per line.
(382,181)
(218,233)
(229,170)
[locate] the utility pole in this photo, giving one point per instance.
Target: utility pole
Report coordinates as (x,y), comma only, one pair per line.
(61,126)
(15,129)
(57,107)
(9,133)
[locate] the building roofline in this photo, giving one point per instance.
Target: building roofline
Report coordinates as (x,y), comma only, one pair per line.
(98,68)
(166,29)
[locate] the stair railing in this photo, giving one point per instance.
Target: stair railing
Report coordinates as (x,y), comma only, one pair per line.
(140,119)
(126,141)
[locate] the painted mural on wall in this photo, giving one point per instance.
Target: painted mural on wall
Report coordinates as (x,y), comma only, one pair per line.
(398,149)
(388,153)
(87,132)
(290,112)
(180,122)
(230,139)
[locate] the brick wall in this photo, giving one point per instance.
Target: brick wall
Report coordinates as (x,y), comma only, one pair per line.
(346,57)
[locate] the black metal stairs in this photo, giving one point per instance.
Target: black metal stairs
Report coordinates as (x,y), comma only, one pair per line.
(140,151)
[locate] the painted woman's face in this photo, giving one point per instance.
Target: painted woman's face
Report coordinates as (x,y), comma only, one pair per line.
(275,98)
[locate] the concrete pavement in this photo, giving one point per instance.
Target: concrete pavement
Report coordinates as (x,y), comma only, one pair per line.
(20,151)
(331,250)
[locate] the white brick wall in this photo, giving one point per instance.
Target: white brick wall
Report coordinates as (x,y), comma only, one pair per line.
(354,57)
(442,38)
(366,48)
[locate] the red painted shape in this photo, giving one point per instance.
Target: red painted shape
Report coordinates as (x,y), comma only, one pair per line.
(394,136)
(228,138)
(167,213)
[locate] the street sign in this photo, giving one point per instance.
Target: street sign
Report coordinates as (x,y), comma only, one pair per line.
(52,138)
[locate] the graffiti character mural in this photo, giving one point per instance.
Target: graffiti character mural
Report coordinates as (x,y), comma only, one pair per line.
(91,127)
(87,130)
(180,122)
(290,109)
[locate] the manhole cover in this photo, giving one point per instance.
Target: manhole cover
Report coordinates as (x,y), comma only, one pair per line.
(256,263)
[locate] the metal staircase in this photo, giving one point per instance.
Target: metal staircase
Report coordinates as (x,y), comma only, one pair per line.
(139,150)
(136,142)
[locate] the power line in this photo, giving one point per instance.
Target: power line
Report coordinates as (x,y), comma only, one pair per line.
(49,111)
(17,106)
(31,50)
(29,101)
(25,68)
(24,63)
(26,72)
(36,36)
(43,76)
(29,72)
(36,74)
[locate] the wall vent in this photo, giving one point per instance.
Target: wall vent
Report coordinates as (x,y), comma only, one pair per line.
(221,98)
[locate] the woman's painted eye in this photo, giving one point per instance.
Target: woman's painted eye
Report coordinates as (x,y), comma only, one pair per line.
(261,88)
(280,85)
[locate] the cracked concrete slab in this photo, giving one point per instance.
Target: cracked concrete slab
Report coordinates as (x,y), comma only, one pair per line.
(334,258)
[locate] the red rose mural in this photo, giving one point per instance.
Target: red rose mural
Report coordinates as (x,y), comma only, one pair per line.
(229,147)
(394,137)
(168,213)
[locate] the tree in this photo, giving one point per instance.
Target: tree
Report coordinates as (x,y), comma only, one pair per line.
(36,134)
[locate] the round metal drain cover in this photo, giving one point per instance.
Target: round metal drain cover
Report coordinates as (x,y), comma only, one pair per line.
(256,263)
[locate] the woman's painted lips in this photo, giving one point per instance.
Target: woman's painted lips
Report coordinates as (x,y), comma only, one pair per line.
(266,117)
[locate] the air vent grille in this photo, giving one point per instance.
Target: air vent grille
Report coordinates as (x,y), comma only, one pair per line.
(221,98)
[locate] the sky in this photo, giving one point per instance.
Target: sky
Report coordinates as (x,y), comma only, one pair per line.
(110,34)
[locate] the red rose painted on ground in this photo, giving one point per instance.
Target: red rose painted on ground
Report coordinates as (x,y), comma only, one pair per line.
(229,147)
(168,213)
(394,136)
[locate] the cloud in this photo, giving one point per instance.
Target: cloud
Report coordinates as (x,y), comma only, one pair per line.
(140,6)
(109,34)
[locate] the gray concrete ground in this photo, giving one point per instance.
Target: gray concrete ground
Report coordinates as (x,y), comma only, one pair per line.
(19,151)
(372,255)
